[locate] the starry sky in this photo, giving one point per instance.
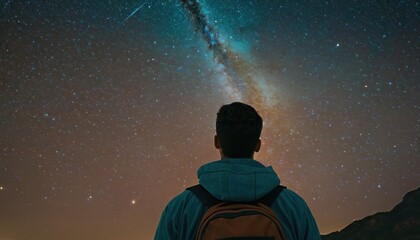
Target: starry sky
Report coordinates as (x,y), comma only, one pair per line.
(107,108)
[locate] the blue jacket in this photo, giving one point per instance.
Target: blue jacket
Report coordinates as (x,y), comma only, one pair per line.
(236,180)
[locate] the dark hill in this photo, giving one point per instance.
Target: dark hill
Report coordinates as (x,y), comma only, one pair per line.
(401,223)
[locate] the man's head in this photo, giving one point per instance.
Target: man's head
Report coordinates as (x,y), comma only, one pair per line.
(238,129)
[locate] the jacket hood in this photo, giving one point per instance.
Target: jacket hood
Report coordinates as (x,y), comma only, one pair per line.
(237,179)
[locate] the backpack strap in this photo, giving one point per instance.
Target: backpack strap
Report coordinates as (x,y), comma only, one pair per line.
(270,197)
(205,197)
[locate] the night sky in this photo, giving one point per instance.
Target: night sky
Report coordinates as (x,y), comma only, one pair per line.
(107,108)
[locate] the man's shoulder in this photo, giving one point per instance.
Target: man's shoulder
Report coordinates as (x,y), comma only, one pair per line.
(181,198)
(180,217)
(289,199)
(181,201)
(291,195)
(297,217)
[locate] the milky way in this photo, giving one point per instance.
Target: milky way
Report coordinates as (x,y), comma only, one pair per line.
(107,108)
(240,81)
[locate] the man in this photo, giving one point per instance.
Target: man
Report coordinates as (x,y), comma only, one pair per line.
(236,177)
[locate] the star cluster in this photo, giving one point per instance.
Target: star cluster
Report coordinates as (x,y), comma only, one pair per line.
(107,108)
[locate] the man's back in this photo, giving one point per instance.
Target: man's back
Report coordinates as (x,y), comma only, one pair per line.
(236,179)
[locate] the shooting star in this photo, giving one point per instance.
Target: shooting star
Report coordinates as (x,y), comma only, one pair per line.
(134,12)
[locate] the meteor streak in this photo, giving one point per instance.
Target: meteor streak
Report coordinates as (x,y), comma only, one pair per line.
(129,16)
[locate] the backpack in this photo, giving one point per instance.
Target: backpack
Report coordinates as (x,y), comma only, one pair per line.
(238,220)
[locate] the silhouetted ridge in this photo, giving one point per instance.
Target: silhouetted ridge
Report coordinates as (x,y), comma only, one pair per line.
(402,223)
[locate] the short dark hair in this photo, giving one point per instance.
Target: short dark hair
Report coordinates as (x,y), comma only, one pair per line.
(238,127)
